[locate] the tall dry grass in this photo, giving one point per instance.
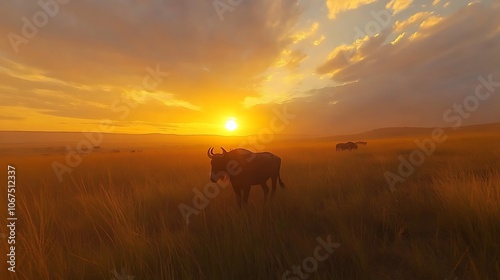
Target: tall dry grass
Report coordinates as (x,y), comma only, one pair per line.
(120,211)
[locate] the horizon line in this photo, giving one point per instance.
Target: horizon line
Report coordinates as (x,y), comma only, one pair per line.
(246,135)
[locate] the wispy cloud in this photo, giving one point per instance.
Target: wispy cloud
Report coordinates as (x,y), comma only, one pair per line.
(399,5)
(338,6)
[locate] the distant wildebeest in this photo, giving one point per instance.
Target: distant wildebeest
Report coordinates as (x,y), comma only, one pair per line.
(361,143)
(346,146)
(246,169)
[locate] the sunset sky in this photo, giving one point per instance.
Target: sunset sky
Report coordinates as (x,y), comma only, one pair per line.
(186,67)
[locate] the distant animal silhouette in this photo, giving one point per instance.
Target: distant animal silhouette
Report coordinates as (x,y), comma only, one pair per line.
(349,146)
(246,169)
(361,143)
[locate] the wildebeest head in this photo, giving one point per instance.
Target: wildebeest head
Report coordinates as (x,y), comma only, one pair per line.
(218,163)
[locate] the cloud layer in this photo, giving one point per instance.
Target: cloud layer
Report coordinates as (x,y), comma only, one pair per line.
(201,69)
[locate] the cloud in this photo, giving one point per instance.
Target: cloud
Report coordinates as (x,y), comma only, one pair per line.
(399,5)
(295,58)
(301,35)
(338,6)
(417,18)
(319,40)
(345,55)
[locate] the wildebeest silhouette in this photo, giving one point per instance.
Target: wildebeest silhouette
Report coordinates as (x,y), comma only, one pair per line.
(361,143)
(346,146)
(246,169)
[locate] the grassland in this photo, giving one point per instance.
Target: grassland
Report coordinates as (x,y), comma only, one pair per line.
(119,212)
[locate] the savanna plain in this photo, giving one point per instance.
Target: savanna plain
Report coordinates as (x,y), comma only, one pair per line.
(117,213)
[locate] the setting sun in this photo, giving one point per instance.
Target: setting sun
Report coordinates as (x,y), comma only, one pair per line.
(231,124)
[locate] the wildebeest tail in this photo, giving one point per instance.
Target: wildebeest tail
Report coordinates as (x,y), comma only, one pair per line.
(281,181)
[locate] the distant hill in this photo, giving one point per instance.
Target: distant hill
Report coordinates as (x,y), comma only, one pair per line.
(402,132)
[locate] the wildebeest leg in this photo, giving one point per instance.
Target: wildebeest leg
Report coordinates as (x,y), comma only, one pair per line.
(238,193)
(246,193)
(265,188)
(273,184)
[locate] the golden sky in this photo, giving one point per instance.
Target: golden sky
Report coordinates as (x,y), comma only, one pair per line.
(186,67)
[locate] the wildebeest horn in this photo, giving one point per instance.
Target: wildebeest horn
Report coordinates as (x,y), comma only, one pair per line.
(210,152)
(223,150)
